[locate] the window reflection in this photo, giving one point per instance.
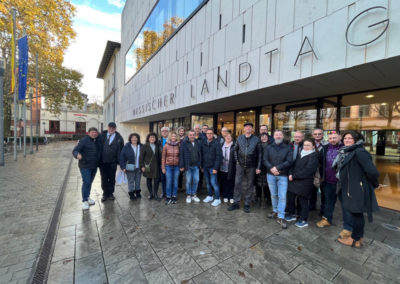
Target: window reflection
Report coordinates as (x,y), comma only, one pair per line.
(163,21)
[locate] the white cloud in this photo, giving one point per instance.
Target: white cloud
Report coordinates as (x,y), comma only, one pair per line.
(86,52)
(117,3)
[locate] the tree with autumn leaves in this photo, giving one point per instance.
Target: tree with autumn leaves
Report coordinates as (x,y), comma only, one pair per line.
(48,25)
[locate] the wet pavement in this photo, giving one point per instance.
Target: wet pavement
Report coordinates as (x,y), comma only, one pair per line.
(145,241)
(29,189)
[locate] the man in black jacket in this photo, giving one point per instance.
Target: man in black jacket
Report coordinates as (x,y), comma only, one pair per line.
(248,155)
(111,143)
(278,159)
(211,156)
(88,153)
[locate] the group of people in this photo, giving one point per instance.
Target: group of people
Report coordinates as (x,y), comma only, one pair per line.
(288,175)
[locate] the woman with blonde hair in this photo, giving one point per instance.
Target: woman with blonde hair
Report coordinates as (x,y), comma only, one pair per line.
(170,166)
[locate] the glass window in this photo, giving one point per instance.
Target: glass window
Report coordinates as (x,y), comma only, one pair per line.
(297,116)
(205,119)
(242,117)
(163,21)
(226,119)
(266,117)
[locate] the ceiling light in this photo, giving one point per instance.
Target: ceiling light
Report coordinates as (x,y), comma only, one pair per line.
(370,96)
(383,104)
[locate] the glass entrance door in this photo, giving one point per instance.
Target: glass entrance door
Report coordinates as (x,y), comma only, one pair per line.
(242,117)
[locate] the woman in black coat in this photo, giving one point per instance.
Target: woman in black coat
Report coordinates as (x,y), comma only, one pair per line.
(262,189)
(227,169)
(358,178)
(150,160)
(301,182)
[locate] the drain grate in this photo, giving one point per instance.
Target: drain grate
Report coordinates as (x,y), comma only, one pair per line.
(41,271)
(391,227)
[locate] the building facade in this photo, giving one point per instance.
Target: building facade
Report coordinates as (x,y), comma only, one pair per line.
(289,64)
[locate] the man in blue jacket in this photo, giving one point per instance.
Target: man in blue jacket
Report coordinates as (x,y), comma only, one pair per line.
(211,155)
(88,153)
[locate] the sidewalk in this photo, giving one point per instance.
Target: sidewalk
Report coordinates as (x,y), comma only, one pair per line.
(29,190)
(144,241)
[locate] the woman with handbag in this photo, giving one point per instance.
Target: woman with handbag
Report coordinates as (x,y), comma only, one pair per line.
(150,164)
(170,166)
(129,163)
(357,179)
(301,182)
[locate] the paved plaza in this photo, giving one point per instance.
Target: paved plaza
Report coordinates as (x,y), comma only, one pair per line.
(144,241)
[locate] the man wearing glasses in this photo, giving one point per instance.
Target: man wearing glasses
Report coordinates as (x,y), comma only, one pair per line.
(318,135)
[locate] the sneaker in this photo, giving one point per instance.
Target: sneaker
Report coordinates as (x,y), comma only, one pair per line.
(188,199)
(273,215)
(216,202)
(208,199)
(283,223)
(168,201)
(301,224)
(246,209)
(91,201)
(226,200)
(234,206)
(85,205)
(195,198)
(232,201)
(104,198)
(290,218)
(111,197)
(173,200)
(323,223)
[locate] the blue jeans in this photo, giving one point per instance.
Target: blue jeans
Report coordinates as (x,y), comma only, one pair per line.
(87,179)
(192,180)
(347,217)
(211,181)
(330,200)
(172,177)
(278,187)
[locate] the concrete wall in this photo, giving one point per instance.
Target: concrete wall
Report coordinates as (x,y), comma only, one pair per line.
(269,24)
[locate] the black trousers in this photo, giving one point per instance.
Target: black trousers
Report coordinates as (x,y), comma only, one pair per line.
(226,185)
(107,172)
(152,186)
(358,226)
(292,205)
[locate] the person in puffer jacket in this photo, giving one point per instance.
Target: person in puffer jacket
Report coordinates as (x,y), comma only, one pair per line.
(248,154)
(170,166)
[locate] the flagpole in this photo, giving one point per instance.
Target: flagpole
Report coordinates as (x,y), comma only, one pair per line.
(24,110)
(31,135)
(37,104)
(2,70)
(14,12)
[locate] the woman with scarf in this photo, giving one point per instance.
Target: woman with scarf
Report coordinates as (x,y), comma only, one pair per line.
(170,166)
(301,178)
(357,179)
(227,169)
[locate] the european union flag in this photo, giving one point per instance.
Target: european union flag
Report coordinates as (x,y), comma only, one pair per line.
(22,66)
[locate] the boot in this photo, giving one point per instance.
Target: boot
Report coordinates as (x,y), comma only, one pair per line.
(350,242)
(132,196)
(344,234)
(138,195)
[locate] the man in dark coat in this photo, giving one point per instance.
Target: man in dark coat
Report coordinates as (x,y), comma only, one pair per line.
(264,129)
(248,156)
(190,162)
(88,153)
(278,159)
(112,143)
(211,156)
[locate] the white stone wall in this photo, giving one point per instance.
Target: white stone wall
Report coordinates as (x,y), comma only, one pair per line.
(270,24)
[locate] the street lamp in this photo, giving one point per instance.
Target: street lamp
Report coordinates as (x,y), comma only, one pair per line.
(2,69)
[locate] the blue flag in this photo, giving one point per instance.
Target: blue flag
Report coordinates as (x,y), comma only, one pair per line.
(22,66)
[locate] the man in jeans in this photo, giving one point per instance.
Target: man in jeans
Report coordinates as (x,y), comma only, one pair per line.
(248,154)
(112,144)
(211,156)
(328,154)
(278,160)
(88,153)
(161,144)
(190,162)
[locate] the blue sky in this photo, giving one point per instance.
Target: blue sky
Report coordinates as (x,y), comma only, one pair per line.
(96,21)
